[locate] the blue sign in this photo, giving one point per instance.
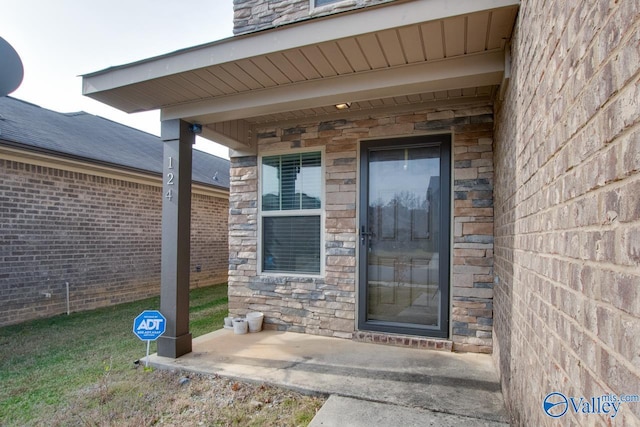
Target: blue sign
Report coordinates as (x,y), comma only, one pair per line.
(555,404)
(149,325)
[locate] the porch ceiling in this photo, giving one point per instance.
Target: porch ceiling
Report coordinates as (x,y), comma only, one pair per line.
(395,103)
(399,54)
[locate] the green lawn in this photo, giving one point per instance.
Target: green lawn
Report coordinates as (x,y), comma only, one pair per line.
(45,363)
(79,370)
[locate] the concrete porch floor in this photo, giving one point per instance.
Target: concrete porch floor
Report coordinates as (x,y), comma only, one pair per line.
(369,384)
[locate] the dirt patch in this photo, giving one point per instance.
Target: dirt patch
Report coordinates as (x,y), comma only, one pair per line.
(166,398)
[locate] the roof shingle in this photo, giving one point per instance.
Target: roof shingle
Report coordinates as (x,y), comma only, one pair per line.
(93,138)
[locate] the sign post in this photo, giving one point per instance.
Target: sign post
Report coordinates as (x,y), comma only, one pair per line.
(149,326)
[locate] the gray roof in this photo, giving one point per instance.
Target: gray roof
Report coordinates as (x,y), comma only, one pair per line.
(92,138)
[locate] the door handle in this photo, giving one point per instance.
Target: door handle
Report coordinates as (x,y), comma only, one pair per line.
(364,235)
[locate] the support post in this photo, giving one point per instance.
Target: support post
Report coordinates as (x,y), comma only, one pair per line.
(176,236)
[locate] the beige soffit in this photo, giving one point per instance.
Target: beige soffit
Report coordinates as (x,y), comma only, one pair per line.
(396,50)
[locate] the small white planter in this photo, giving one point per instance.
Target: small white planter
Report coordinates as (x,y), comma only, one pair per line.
(240,326)
(255,319)
(228,322)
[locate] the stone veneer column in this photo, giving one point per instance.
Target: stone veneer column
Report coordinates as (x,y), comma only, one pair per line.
(243,211)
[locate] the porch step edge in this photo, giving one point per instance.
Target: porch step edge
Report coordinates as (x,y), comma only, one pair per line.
(398,340)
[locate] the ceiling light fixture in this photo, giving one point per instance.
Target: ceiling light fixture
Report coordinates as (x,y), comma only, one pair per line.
(344,106)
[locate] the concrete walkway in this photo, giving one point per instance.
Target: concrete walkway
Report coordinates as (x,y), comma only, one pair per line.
(369,384)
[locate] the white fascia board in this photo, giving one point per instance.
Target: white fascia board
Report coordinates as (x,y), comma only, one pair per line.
(291,36)
(482,69)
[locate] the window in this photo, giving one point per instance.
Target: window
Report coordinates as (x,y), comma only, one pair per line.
(317,3)
(291,213)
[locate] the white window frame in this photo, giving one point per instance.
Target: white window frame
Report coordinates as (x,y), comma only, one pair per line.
(287,213)
(324,7)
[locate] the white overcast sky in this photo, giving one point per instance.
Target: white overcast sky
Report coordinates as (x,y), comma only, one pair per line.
(59,40)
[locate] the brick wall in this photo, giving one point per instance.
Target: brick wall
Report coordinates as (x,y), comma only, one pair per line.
(327,306)
(209,241)
(567,210)
(255,15)
(101,235)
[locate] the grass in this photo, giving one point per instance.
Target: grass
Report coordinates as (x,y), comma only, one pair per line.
(79,370)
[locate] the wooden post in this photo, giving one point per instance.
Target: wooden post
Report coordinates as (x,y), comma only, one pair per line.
(176,236)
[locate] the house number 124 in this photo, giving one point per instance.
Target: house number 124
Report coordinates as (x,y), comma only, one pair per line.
(170,178)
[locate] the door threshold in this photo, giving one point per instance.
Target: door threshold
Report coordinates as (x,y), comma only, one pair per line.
(411,341)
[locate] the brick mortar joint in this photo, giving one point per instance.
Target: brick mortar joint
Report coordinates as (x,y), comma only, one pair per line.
(599,265)
(611,186)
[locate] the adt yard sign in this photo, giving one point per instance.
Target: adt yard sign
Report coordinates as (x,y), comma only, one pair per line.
(149,325)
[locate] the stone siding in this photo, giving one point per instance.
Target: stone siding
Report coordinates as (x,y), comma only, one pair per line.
(567,249)
(327,305)
(256,15)
(101,235)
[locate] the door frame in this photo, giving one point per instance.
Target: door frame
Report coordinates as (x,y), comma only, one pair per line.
(444,141)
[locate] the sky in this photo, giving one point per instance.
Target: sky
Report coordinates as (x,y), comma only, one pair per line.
(59,40)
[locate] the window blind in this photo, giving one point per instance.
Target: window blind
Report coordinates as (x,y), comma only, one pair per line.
(291,244)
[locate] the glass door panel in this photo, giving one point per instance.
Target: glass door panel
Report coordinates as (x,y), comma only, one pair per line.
(403,232)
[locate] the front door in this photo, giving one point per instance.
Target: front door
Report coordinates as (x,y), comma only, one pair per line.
(405,216)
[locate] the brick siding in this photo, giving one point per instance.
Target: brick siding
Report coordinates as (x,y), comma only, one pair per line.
(567,154)
(327,305)
(101,235)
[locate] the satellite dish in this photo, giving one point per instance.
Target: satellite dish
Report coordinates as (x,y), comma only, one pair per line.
(11,71)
